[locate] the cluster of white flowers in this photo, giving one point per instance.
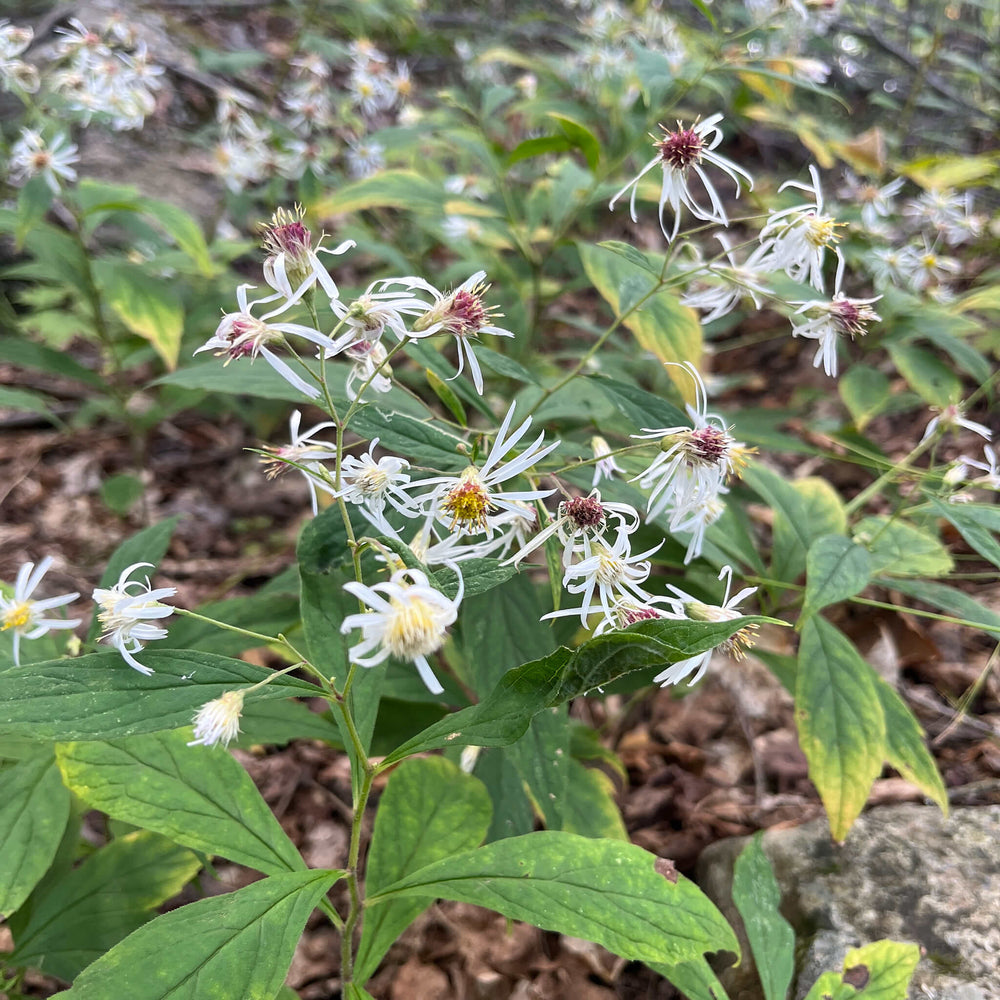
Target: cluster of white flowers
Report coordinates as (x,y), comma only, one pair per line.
(251,150)
(15,73)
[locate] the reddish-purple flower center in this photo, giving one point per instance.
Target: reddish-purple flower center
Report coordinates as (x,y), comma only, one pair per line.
(709,444)
(292,238)
(680,149)
(584,512)
(632,615)
(466,313)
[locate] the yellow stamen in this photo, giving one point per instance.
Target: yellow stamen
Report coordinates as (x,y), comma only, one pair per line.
(17,616)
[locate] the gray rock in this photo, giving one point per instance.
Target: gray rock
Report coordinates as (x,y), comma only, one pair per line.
(906,873)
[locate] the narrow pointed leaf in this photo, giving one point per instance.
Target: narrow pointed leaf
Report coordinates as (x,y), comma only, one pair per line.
(840,721)
(772,940)
(34,807)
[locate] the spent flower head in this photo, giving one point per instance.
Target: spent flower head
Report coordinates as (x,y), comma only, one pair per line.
(218,721)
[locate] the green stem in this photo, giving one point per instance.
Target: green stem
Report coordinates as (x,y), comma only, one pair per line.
(873,489)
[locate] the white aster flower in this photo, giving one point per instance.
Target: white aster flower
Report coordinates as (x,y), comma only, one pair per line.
(127,611)
(462,314)
(736,646)
(679,154)
(890,266)
(693,463)
(613,571)
(605,467)
(305,454)
(827,320)
(369,357)
(31,157)
(697,517)
(875,202)
(218,721)
(364,158)
(580,522)
(925,267)
(374,484)
(292,266)
(408,619)
(991,473)
(952,416)
(25,616)
(242,335)
(468,502)
(734,282)
(796,239)
(378,308)
(13,40)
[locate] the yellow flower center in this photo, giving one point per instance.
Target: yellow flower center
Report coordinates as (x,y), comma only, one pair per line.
(17,616)
(413,630)
(468,503)
(610,569)
(822,231)
(372,482)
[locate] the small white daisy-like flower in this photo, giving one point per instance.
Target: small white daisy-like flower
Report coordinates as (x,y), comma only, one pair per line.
(991,473)
(467,502)
(925,267)
(890,266)
(875,202)
(735,281)
(13,40)
(305,454)
(218,721)
(373,484)
(462,314)
(736,646)
(408,619)
(952,416)
(243,335)
(581,521)
(376,309)
(369,357)
(291,261)
(697,518)
(613,572)
(364,158)
(796,239)
(605,467)
(681,153)
(31,156)
(693,462)
(26,617)
(827,320)
(127,611)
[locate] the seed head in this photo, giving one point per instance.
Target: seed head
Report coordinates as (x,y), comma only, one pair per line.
(680,149)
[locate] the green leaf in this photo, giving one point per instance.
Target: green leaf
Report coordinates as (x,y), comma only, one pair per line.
(236,945)
(100,697)
(447,395)
(865,392)
(695,979)
(122,492)
(182,229)
(951,601)
(905,748)
(33,201)
(146,546)
(522,692)
(280,722)
(421,442)
(502,365)
(590,808)
(539,146)
(430,811)
(640,408)
(148,306)
(934,381)
(541,757)
(197,796)
(772,940)
(94,906)
(34,807)
(614,894)
(478,575)
(19,351)
(662,326)
(26,401)
(898,548)
(404,189)
(840,722)
(580,137)
(978,524)
(836,568)
(512,812)
(803,511)
(242,378)
(652,263)
(879,971)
